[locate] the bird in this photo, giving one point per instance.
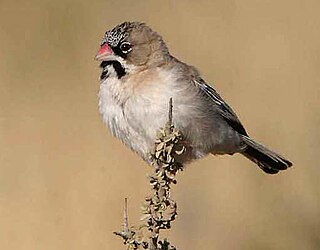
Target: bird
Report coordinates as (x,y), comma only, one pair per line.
(138,78)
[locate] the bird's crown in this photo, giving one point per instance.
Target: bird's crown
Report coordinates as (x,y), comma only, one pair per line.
(119,33)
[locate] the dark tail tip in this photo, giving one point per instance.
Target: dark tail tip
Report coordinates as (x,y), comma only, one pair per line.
(266,163)
(269,161)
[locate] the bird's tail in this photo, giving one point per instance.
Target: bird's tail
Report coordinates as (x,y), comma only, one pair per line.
(269,161)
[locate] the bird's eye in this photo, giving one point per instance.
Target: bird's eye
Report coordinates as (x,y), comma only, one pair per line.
(126,47)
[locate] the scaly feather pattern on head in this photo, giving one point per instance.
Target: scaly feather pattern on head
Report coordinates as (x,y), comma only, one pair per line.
(119,33)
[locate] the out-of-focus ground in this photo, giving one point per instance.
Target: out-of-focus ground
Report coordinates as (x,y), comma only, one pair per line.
(63,177)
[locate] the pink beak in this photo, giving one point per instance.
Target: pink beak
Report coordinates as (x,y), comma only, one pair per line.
(103,53)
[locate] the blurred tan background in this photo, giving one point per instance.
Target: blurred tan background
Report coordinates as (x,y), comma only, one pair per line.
(63,177)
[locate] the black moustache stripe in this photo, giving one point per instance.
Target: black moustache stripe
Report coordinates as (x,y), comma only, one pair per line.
(103,75)
(119,69)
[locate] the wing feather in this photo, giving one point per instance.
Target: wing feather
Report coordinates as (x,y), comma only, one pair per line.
(223,108)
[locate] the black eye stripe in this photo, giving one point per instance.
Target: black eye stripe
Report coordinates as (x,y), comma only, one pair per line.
(122,49)
(119,52)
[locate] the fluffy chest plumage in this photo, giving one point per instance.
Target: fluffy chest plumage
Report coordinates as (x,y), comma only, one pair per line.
(134,108)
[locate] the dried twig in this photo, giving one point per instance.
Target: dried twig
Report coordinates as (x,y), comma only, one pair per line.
(125,216)
(170,112)
(159,209)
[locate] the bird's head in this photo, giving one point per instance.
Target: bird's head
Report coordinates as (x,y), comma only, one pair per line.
(134,44)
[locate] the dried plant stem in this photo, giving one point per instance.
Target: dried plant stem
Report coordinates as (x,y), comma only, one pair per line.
(170,112)
(125,216)
(159,209)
